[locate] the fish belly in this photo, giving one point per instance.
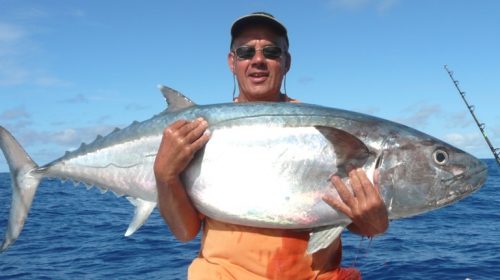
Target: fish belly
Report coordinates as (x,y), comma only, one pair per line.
(264,176)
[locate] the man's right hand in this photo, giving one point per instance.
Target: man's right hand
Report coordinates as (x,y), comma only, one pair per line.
(180,142)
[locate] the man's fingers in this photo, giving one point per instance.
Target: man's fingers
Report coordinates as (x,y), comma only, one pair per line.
(337,204)
(188,129)
(186,132)
(356,185)
(178,124)
(197,128)
(364,207)
(342,190)
(376,180)
(201,141)
(365,182)
(173,128)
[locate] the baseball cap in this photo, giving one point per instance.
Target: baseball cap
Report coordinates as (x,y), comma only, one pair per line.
(258,18)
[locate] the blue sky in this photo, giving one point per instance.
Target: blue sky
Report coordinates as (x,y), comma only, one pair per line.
(70,70)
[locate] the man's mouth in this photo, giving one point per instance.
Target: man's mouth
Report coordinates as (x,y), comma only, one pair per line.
(259,76)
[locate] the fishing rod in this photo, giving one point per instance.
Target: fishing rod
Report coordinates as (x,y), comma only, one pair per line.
(481,126)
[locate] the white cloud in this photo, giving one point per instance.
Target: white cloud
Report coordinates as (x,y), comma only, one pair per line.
(136,107)
(17,118)
(14,114)
(351,4)
(459,120)
(12,74)
(73,137)
(386,5)
(496,131)
(79,98)
(421,115)
(380,6)
(68,138)
(47,80)
(16,44)
(11,36)
(464,141)
(29,13)
(305,80)
(45,146)
(473,143)
(10,33)
(76,13)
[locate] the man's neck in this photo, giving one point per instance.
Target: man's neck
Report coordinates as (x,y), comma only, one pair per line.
(280,97)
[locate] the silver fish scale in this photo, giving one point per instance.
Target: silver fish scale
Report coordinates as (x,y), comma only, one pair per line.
(122,161)
(266,165)
(265,176)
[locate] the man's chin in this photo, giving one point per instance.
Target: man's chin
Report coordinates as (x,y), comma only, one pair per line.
(261,94)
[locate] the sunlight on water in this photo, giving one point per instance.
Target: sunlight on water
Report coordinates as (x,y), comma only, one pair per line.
(72,232)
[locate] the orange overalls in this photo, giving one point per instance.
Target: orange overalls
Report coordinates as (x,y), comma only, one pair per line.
(238,252)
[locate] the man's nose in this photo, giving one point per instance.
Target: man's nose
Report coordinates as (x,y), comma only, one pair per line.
(259,56)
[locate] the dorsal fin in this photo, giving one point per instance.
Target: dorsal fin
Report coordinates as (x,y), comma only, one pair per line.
(175,100)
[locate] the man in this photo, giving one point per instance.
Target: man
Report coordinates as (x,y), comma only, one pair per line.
(259,59)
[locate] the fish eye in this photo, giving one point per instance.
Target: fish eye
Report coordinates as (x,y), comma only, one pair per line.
(440,156)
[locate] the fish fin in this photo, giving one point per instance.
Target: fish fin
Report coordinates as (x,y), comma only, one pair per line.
(24,185)
(349,149)
(322,238)
(143,209)
(175,100)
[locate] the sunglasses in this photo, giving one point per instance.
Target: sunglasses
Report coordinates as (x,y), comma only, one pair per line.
(247,52)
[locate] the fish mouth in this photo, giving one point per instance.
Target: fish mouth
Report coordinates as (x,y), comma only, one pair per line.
(461,185)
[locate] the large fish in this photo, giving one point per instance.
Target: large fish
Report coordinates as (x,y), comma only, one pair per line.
(266,165)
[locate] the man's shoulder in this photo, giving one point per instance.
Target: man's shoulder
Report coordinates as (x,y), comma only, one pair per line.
(289,99)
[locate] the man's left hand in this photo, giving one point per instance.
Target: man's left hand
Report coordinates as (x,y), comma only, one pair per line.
(364,206)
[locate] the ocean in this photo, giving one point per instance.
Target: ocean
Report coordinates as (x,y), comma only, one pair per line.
(72,232)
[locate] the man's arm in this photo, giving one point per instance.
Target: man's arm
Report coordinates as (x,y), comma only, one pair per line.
(364,206)
(180,142)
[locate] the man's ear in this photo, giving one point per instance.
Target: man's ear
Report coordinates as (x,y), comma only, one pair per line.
(288,62)
(231,61)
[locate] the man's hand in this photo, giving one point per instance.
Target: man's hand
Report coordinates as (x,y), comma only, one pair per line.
(364,206)
(180,142)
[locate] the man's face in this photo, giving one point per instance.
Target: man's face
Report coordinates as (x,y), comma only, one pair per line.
(259,78)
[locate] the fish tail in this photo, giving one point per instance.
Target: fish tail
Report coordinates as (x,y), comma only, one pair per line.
(25,181)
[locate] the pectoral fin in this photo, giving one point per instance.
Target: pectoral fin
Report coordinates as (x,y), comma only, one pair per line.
(323,238)
(143,209)
(349,149)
